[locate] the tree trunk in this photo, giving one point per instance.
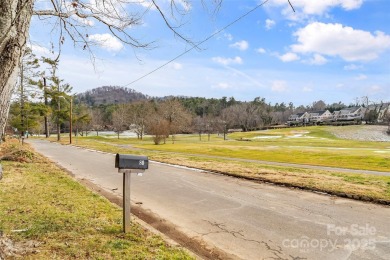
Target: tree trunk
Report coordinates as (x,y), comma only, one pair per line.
(15,17)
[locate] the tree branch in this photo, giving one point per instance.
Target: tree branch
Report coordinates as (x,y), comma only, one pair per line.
(170,26)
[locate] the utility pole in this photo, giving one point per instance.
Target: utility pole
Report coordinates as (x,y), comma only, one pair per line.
(46,104)
(58,121)
(70,120)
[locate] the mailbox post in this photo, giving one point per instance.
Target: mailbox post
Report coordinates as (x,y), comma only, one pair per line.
(128,164)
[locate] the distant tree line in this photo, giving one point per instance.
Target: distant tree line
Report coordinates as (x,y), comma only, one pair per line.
(41,105)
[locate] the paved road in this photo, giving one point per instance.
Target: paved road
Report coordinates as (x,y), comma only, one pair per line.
(244,219)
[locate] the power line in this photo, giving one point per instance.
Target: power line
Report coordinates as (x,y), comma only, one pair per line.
(197,45)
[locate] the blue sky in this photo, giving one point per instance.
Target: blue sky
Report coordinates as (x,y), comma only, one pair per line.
(331,50)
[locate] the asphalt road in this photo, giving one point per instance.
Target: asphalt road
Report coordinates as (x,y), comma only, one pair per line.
(246,220)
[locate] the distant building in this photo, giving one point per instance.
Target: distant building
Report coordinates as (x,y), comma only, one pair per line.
(318,117)
(349,114)
(298,119)
(371,114)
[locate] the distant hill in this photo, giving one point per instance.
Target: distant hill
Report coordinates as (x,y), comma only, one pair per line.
(110,95)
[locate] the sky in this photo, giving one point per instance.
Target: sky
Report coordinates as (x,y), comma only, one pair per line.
(330,50)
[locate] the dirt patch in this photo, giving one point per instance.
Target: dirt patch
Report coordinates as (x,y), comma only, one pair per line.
(12,249)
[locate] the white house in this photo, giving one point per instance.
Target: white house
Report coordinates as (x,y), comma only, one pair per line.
(320,116)
(298,118)
(350,114)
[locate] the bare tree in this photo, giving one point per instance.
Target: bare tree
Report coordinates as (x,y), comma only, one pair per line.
(178,118)
(318,105)
(139,113)
(387,119)
(120,119)
(97,120)
(365,101)
(158,127)
(244,115)
(198,126)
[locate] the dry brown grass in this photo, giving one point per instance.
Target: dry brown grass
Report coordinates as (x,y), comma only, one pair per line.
(14,150)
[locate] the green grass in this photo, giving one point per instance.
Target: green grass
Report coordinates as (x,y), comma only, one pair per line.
(68,220)
(316,146)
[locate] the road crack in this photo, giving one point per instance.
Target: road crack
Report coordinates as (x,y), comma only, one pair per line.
(277,251)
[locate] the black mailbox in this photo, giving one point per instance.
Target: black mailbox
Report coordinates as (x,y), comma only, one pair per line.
(128,161)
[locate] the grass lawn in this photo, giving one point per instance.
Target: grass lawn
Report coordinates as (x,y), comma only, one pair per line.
(305,145)
(309,145)
(48,215)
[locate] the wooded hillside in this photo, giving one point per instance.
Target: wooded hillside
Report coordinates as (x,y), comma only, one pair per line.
(110,95)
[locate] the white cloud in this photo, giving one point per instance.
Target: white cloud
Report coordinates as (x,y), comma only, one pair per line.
(39,50)
(176,66)
(241,45)
(318,60)
(340,85)
(352,67)
(84,21)
(107,41)
(361,77)
(269,24)
(374,89)
(279,86)
(307,89)
(339,40)
(227,61)
(186,5)
(165,5)
(221,85)
(147,4)
(260,50)
(288,57)
(312,7)
(228,36)
(351,4)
